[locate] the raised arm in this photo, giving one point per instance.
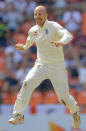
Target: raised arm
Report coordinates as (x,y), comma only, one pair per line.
(29,42)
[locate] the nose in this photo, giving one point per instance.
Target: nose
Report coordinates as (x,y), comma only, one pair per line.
(37,16)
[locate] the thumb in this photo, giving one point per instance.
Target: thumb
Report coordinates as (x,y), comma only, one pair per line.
(52,41)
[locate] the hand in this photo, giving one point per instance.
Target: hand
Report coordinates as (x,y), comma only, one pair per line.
(19,46)
(56,43)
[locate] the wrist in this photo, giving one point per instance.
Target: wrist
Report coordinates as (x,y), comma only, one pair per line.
(61,43)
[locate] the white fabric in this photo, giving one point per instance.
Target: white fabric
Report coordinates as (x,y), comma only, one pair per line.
(58,76)
(46,52)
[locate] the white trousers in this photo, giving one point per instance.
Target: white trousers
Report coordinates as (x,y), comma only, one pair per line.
(58,77)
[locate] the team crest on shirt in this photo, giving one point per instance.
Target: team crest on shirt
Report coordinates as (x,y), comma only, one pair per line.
(46,31)
(35,34)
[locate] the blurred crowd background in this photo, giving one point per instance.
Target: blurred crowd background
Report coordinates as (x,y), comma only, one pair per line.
(16,18)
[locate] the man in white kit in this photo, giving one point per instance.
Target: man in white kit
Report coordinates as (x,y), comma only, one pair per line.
(50,37)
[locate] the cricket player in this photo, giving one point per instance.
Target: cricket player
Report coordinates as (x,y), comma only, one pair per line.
(50,38)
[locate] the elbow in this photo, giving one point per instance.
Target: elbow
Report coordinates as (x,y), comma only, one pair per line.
(71,36)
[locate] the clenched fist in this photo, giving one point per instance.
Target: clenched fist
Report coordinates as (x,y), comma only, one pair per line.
(19,46)
(57,43)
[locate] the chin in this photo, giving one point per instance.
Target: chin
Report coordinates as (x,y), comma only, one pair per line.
(39,24)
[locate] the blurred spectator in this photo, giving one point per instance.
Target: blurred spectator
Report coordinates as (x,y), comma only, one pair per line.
(2,63)
(1,95)
(3,32)
(72,19)
(84,18)
(2,4)
(22,71)
(79,39)
(9,1)
(10,90)
(26,25)
(19,37)
(39,2)
(13,59)
(31,4)
(9,56)
(82,71)
(60,3)
(74,1)
(46,85)
(50,97)
(14,18)
(48,3)
(36,98)
(20,5)
(74,80)
(82,51)
(82,98)
(70,56)
(51,15)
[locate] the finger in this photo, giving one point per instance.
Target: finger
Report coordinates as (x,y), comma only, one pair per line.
(52,42)
(16,46)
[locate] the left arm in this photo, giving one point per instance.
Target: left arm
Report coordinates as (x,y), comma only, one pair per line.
(66,37)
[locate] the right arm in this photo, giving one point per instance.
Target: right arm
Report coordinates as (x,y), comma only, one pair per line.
(29,42)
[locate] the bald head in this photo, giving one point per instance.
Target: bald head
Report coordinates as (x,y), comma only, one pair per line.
(40,15)
(41,7)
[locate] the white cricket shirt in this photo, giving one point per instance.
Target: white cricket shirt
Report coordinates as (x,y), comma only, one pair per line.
(43,36)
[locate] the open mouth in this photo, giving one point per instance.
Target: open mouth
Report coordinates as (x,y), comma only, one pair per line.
(38,21)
